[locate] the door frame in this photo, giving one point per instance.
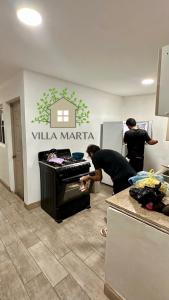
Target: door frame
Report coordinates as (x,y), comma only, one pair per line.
(11,102)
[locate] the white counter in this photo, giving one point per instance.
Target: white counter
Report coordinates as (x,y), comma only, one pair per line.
(137,251)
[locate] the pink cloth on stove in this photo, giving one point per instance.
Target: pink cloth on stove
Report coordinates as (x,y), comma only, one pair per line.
(56,160)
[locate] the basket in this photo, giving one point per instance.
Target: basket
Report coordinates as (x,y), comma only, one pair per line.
(77,155)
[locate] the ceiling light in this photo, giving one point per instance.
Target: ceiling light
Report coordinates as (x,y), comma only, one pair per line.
(147,81)
(29,16)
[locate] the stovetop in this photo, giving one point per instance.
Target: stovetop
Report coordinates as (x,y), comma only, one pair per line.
(67,162)
(65,154)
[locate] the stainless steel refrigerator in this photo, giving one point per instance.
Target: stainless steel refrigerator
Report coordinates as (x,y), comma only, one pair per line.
(111,138)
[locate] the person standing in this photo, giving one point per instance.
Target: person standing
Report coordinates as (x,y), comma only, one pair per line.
(135,139)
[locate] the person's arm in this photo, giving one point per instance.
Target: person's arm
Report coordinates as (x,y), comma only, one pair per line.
(125,138)
(152,142)
(96,177)
(149,140)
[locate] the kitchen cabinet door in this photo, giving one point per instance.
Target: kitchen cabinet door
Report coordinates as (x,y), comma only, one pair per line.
(162,97)
(137,258)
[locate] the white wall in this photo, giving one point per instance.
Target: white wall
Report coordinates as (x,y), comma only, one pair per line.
(29,86)
(102,106)
(143,108)
(10,90)
(4,172)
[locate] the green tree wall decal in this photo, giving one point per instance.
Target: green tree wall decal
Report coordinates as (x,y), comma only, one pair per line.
(53,95)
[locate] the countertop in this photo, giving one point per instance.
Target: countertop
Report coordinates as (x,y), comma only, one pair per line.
(126,204)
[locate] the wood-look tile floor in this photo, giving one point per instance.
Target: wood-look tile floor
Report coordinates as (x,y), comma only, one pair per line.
(41,259)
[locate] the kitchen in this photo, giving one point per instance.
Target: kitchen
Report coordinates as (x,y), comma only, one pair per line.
(154,157)
(109,84)
(128,222)
(108,110)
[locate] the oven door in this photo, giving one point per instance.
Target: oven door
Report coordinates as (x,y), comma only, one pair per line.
(72,188)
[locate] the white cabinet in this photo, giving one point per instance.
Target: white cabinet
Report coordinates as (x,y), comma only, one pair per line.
(162,96)
(137,259)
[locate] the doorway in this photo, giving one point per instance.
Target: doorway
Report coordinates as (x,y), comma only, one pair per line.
(17,147)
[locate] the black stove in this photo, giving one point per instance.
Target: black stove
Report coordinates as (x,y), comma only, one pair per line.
(60,186)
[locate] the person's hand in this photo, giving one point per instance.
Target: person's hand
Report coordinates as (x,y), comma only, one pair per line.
(83,186)
(83,181)
(84,178)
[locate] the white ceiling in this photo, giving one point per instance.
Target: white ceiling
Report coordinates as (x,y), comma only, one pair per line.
(110,45)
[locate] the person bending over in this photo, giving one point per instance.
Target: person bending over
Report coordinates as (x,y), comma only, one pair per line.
(114,164)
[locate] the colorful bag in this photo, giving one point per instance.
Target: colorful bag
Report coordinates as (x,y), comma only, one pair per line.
(149,179)
(149,197)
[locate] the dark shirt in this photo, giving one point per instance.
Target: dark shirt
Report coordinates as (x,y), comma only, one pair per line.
(113,163)
(135,140)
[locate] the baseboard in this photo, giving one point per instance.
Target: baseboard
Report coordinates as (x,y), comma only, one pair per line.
(5,185)
(111,294)
(32,205)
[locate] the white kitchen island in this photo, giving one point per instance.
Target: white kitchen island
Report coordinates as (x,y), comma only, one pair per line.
(137,251)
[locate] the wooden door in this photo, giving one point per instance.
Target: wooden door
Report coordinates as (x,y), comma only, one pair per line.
(17,148)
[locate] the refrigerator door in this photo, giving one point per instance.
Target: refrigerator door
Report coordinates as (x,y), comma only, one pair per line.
(111,138)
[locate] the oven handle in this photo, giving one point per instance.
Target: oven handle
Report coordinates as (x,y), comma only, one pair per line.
(74,178)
